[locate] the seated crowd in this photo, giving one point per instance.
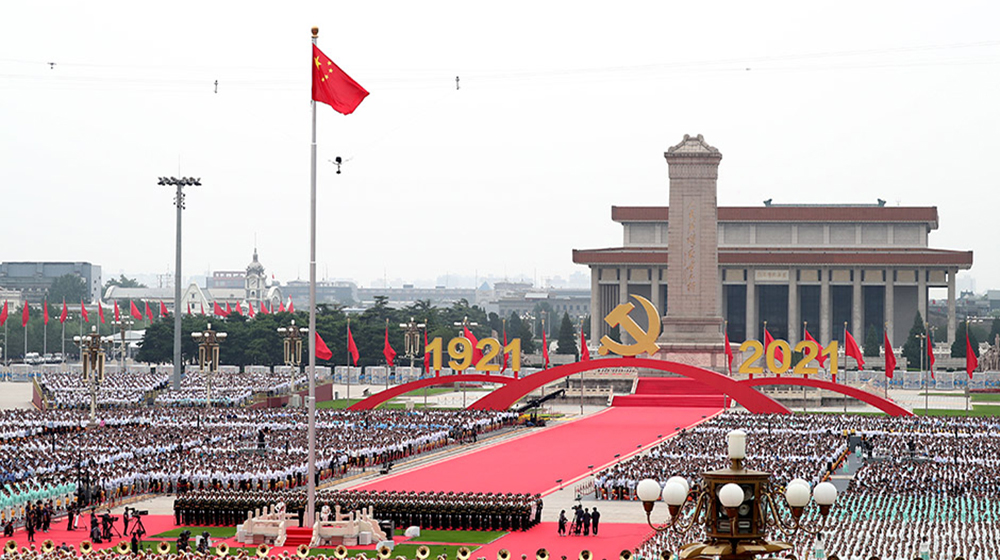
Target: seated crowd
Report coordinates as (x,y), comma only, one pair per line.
(915,477)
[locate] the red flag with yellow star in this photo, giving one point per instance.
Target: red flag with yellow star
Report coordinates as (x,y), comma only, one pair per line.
(333,86)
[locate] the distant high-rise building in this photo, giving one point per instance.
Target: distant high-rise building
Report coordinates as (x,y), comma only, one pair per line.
(33,279)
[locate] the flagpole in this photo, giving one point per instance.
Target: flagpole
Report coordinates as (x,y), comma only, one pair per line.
(885,327)
(805,404)
(348,361)
(845,364)
(311,400)
(45,329)
(968,346)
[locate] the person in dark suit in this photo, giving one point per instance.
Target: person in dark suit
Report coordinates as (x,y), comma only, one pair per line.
(562,523)
(585,521)
(595,518)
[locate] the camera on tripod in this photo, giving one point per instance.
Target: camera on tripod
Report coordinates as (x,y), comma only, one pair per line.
(132,512)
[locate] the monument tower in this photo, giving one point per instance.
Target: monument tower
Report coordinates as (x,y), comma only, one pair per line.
(692,328)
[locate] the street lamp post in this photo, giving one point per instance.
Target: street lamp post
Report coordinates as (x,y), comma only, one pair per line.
(465,324)
(208,356)
(122,325)
(411,343)
(293,352)
(179,203)
(63,347)
(92,358)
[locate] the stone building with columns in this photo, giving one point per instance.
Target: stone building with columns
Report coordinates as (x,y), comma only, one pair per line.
(786,265)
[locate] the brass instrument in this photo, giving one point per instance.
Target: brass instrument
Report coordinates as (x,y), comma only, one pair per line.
(585,555)
(666,555)
(48,546)
(423,552)
(302,550)
(625,555)
(10,547)
(504,554)
(463,553)
(541,554)
(120,548)
(385,553)
(222,549)
(340,552)
(86,547)
(162,548)
(263,549)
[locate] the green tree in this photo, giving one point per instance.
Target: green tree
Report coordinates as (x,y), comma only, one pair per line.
(913,348)
(70,288)
(123,282)
(958,346)
(872,343)
(567,337)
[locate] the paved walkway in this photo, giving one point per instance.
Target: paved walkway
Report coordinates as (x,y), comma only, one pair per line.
(15,395)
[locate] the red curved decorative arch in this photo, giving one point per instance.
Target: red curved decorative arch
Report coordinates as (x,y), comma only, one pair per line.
(380,397)
(885,405)
(750,398)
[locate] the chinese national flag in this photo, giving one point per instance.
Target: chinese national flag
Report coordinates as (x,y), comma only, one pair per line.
(250,309)
(545,349)
(387,350)
(25,314)
(322,350)
(83,312)
(149,314)
(352,348)
(134,311)
(852,349)
(930,352)
(100,311)
(64,314)
(729,354)
(821,358)
(779,356)
(584,351)
(971,361)
(333,86)
(477,354)
(163,309)
(45,312)
(3,315)
(118,316)
(890,358)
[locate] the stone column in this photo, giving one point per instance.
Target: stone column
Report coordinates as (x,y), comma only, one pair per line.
(890,306)
(793,308)
(922,294)
(751,305)
(951,304)
(596,319)
(654,289)
(824,308)
(857,324)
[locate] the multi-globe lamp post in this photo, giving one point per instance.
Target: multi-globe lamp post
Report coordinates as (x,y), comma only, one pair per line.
(737,507)
(123,325)
(293,352)
(208,356)
(92,359)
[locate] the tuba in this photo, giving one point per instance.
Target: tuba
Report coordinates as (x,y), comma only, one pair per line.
(48,546)
(585,555)
(162,548)
(263,549)
(463,553)
(666,555)
(541,554)
(504,554)
(121,548)
(302,550)
(384,552)
(423,552)
(340,552)
(10,547)
(625,555)
(222,550)
(86,547)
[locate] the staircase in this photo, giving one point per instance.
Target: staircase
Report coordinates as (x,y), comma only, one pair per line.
(294,536)
(671,392)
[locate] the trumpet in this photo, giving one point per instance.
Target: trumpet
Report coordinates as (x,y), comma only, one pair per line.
(385,553)
(222,550)
(625,555)
(504,554)
(585,555)
(302,550)
(263,549)
(162,548)
(340,552)
(463,553)
(121,548)
(423,552)
(541,554)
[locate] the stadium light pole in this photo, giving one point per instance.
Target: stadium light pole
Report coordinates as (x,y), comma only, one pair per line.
(179,203)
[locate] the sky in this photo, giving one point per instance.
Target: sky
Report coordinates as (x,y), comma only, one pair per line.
(562,110)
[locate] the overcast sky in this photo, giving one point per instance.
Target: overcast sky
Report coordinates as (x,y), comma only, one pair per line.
(565,109)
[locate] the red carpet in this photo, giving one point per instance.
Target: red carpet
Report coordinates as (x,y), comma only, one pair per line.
(534,461)
(613,538)
(671,392)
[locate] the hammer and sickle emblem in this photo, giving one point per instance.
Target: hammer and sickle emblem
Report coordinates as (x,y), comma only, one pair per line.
(645,340)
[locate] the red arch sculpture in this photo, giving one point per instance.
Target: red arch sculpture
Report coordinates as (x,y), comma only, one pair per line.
(885,405)
(750,398)
(380,397)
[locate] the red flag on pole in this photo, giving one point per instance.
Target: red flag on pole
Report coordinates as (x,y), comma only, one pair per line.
(779,356)
(852,349)
(387,350)
(229,310)
(971,361)
(163,309)
(25,315)
(202,309)
(65,312)
(821,358)
(100,311)
(238,308)
(45,311)
(3,314)
(322,350)
(584,351)
(134,311)
(281,307)
(477,354)
(545,348)
(890,358)
(189,309)
(118,316)
(262,310)
(333,86)
(930,351)
(83,312)
(149,314)
(250,309)
(352,348)
(729,353)
(217,309)
(291,306)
